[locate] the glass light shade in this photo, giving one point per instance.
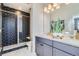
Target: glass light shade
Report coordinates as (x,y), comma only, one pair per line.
(55,4)
(49,6)
(45,9)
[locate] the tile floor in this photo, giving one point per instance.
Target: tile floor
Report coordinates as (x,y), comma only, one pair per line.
(21,52)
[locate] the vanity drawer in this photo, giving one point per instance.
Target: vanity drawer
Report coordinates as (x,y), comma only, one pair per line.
(68,48)
(57,52)
(44,40)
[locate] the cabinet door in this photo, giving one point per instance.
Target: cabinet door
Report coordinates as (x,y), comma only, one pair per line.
(47,50)
(39,48)
(65,47)
(57,52)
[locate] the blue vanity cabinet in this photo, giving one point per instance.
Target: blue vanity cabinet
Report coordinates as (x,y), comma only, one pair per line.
(69,49)
(42,47)
(58,49)
(57,52)
(39,48)
(47,47)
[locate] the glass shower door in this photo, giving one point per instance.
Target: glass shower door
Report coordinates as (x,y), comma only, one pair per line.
(24,28)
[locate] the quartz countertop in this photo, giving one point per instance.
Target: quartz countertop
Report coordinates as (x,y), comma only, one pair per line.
(69,41)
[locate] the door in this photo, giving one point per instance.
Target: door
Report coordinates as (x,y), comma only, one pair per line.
(9,29)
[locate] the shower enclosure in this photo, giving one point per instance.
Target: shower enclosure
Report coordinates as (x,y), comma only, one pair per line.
(14,28)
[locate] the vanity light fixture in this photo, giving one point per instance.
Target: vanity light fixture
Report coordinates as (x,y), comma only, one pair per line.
(51,7)
(55,4)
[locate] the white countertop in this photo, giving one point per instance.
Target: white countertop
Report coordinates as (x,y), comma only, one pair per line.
(73,42)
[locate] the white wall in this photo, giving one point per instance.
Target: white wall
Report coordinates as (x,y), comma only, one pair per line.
(46,22)
(39,22)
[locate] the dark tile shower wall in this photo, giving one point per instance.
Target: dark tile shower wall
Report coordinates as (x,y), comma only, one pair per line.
(9,25)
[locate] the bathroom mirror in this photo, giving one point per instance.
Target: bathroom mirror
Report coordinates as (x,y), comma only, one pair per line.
(66,13)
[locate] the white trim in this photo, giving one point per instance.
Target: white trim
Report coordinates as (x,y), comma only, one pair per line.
(17,29)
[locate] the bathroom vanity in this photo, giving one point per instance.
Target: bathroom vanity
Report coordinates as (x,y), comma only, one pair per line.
(49,46)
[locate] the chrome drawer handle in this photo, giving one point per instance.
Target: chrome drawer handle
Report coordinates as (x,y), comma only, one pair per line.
(41,44)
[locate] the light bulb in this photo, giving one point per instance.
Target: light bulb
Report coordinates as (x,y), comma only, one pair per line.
(57,7)
(55,4)
(45,9)
(49,6)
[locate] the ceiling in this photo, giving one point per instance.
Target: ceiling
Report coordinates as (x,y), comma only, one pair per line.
(20,6)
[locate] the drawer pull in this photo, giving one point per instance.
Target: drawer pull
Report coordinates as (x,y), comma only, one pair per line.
(41,44)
